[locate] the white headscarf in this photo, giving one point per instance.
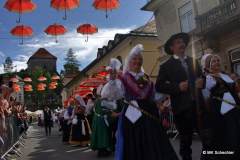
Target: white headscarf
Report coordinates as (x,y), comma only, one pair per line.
(79,98)
(136,50)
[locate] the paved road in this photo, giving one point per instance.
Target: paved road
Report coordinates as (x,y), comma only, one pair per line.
(41,147)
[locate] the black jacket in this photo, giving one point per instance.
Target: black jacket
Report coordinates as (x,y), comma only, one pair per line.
(173,72)
(47,115)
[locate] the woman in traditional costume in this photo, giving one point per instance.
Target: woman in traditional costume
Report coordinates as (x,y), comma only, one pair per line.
(225,115)
(141,135)
(80,132)
(68,116)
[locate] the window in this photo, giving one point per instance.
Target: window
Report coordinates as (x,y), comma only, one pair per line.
(235,61)
(186,17)
(20,97)
(236,68)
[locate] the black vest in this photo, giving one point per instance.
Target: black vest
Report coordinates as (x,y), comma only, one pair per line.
(47,115)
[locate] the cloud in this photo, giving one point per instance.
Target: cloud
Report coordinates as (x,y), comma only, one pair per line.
(1,54)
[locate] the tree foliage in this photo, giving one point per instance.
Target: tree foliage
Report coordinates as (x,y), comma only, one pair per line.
(72,64)
(8,65)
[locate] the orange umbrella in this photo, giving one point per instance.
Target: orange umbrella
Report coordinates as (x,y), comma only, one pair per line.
(93,82)
(53,83)
(28,89)
(106,5)
(41,88)
(27,79)
(27,86)
(14,79)
(87,29)
(55,30)
(17,89)
(42,79)
(66,5)
(83,90)
(15,86)
(55,77)
(41,85)
(20,6)
(52,87)
(22,31)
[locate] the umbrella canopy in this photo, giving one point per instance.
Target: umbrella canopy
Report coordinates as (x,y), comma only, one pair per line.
(22,31)
(38,112)
(102,73)
(15,86)
(93,82)
(20,6)
(66,5)
(42,79)
(17,89)
(52,87)
(27,86)
(55,77)
(41,88)
(83,90)
(27,79)
(106,5)
(87,29)
(41,85)
(28,89)
(53,83)
(55,30)
(14,79)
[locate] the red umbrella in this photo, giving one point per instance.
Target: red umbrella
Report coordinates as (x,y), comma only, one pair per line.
(22,31)
(41,85)
(17,89)
(53,83)
(14,79)
(52,87)
(20,6)
(28,89)
(87,29)
(83,90)
(42,79)
(55,30)
(102,73)
(66,5)
(93,82)
(41,88)
(55,77)
(15,86)
(27,79)
(106,5)
(27,86)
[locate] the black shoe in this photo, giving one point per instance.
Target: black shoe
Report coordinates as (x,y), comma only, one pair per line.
(49,133)
(102,154)
(46,134)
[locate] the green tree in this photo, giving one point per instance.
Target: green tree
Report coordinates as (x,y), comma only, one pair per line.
(8,65)
(72,64)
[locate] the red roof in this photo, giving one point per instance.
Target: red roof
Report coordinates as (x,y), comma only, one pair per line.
(42,53)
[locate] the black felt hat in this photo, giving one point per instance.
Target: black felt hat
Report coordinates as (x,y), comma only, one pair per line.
(184,36)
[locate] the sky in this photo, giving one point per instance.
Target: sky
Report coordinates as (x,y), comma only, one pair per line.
(127,17)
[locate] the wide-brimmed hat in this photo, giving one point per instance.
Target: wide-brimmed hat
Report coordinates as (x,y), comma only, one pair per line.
(99,89)
(184,36)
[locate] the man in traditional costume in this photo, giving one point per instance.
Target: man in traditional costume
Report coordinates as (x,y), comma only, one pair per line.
(47,118)
(140,135)
(80,132)
(185,88)
(220,91)
(68,116)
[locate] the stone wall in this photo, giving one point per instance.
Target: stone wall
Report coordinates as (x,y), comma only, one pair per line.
(50,64)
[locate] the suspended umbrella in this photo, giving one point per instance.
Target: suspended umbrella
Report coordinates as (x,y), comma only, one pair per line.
(102,73)
(87,29)
(55,30)
(15,86)
(41,88)
(41,85)
(42,79)
(14,79)
(22,31)
(66,5)
(27,86)
(83,90)
(20,6)
(55,77)
(53,83)
(93,82)
(27,79)
(52,87)
(17,89)
(106,5)
(28,89)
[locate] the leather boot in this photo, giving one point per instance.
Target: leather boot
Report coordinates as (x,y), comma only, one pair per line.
(206,139)
(185,147)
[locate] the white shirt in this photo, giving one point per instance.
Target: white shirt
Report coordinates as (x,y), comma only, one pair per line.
(90,105)
(67,116)
(177,57)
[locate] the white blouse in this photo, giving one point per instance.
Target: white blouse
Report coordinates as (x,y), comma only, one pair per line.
(115,90)
(66,116)
(210,83)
